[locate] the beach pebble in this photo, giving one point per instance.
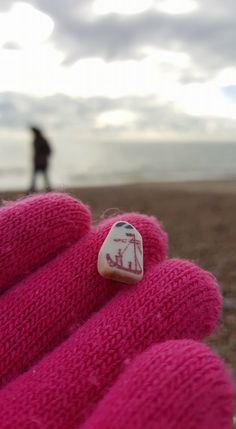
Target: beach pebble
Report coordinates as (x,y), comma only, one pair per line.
(121,255)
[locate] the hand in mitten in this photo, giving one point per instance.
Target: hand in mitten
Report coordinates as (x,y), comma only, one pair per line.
(81,351)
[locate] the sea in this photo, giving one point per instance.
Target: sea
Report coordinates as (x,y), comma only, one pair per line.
(110,163)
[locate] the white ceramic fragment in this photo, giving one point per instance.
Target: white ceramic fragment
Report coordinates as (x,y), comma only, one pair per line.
(121,255)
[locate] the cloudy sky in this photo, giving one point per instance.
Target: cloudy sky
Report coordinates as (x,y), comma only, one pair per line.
(158,70)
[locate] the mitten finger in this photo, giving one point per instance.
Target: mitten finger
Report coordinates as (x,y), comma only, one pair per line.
(175,299)
(34,229)
(174,385)
(46,307)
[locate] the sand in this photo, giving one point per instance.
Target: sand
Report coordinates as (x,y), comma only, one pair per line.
(200,220)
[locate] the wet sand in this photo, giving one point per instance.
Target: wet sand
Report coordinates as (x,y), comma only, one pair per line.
(200,220)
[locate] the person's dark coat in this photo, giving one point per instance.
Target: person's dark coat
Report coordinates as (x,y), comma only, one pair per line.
(42,151)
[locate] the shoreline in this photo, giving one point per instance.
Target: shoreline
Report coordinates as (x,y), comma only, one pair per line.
(202,186)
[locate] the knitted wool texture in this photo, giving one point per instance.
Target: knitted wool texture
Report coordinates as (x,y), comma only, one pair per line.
(36,228)
(165,387)
(67,334)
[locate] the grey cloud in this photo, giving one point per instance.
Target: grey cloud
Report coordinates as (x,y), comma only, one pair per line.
(208,35)
(64,114)
(5,5)
(12,46)
(209,42)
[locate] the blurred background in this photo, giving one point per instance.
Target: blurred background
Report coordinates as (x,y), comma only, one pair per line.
(115,85)
(138,101)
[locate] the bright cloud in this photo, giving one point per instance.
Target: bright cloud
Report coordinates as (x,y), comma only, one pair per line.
(176,7)
(41,72)
(115,118)
(126,7)
(30,71)
(32,68)
(205,100)
(25,25)
(208,99)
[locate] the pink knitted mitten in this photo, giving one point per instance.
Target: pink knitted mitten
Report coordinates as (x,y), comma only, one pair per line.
(79,351)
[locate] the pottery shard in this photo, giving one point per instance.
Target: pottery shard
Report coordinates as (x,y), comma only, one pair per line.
(121,255)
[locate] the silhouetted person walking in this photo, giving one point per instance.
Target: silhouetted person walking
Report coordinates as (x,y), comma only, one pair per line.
(41,154)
